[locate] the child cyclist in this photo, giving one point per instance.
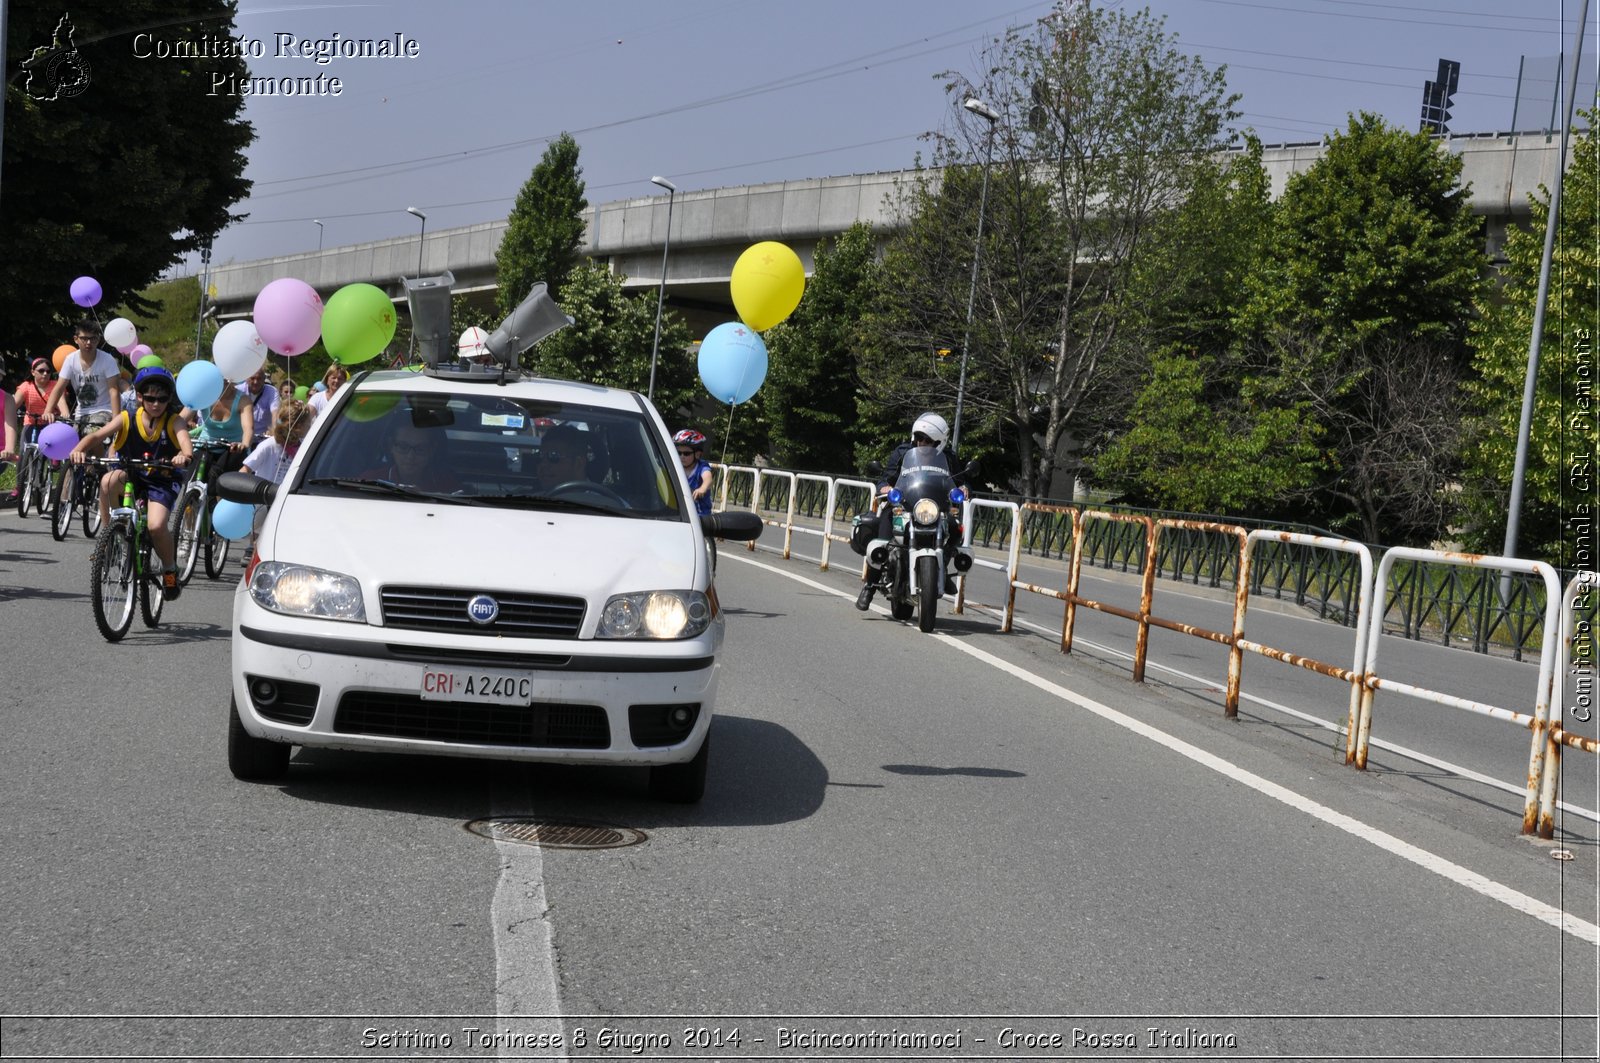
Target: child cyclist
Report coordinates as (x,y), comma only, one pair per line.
(691,451)
(154,431)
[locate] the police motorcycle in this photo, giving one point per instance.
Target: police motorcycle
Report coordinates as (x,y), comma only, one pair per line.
(927,513)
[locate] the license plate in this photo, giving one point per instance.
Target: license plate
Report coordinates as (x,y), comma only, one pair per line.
(476,685)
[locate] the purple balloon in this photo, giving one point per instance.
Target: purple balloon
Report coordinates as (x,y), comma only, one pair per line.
(56,440)
(288,315)
(86,291)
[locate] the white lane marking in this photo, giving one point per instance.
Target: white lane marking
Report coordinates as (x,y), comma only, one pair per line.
(1545,913)
(526,994)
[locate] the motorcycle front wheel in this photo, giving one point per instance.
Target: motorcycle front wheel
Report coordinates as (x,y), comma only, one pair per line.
(930,585)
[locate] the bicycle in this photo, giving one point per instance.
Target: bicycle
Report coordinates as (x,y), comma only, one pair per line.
(191,517)
(75,491)
(124,565)
(33,477)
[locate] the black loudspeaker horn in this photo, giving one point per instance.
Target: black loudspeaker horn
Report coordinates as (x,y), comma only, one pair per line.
(538,316)
(430,317)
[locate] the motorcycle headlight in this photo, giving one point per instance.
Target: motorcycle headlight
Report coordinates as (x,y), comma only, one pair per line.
(300,590)
(654,615)
(926,511)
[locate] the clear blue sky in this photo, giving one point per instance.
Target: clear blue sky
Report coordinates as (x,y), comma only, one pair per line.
(711,93)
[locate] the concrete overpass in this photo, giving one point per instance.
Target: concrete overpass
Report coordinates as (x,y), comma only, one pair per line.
(712,227)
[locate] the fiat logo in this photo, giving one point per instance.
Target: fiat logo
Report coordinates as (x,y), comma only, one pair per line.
(482,609)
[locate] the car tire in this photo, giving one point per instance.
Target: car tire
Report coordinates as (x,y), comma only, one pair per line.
(682,784)
(254,759)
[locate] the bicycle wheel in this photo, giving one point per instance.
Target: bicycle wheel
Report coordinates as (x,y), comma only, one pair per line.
(151,598)
(24,483)
(112,584)
(186,522)
(65,502)
(41,484)
(91,504)
(216,547)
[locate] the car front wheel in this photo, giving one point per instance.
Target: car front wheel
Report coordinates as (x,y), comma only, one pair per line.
(682,784)
(254,759)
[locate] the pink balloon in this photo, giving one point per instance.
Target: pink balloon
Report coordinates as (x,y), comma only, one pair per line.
(136,352)
(288,316)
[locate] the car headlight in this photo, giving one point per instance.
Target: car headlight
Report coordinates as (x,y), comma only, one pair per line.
(926,511)
(301,590)
(654,615)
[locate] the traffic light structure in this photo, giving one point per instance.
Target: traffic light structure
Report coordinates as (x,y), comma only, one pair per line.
(1437,97)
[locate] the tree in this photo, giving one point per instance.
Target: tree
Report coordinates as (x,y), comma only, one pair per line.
(1103,122)
(811,382)
(545,231)
(119,173)
(1375,265)
(610,339)
(1559,481)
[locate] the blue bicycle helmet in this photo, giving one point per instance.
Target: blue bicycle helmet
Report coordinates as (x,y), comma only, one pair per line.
(157,376)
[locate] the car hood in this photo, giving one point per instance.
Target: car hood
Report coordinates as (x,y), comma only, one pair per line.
(387,542)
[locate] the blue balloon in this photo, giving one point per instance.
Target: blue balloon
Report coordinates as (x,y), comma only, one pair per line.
(733,362)
(232,520)
(199,384)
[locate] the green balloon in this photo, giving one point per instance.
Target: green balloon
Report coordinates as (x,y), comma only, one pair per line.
(358,321)
(301,392)
(149,360)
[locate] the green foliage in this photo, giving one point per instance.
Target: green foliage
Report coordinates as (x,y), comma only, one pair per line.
(1560,477)
(1103,123)
(122,180)
(1193,449)
(610,340)
(545,230)
(1375,236)
(810,387)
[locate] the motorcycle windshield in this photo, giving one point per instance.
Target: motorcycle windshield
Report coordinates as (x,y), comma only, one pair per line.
(924,474)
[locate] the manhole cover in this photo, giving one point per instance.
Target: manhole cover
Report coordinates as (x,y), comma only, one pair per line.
(527,830)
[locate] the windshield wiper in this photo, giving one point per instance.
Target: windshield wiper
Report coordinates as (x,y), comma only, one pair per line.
(547,501)
(388,487)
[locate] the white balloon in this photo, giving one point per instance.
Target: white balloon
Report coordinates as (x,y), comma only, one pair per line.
(121,334)
(238,350)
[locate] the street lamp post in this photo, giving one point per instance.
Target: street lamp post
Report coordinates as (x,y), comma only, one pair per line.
(411,347)
(661,296)
(984,111)
(318,223)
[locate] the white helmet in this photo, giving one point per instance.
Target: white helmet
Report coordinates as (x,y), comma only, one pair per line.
(471,343)
(932,426)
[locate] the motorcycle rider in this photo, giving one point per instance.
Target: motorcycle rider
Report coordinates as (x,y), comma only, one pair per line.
(928,430)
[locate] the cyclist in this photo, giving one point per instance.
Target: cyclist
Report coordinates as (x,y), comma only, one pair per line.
(9,443)
(332,378)
(153,432)
(691,452)
(32,398)
(92,374)
(230,420)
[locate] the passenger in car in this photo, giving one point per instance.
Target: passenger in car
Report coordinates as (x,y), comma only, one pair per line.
(563,457)
(417,458)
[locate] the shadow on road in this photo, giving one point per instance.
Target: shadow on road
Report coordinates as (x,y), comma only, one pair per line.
(760,774)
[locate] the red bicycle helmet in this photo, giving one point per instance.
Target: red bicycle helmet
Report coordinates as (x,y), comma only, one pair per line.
(690,438)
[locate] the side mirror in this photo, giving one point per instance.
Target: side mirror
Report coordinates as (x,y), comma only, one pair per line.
(739,526)
(874,468)
(971,471)
(245,488)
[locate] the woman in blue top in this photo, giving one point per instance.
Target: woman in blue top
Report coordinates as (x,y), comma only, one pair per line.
(229,420)
(691,449)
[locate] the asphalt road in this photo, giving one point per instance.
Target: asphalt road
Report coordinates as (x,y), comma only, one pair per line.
(912,846)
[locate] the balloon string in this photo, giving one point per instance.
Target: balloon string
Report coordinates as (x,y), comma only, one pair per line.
(727,432)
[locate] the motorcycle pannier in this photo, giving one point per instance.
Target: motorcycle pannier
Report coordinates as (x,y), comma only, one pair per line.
(863,530)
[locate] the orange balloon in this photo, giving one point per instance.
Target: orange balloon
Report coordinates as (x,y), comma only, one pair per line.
(61,353)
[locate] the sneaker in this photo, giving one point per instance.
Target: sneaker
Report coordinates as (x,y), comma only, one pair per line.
(170,587)
(864,599)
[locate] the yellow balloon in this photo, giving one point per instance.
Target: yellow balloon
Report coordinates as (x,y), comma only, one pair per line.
(767,283)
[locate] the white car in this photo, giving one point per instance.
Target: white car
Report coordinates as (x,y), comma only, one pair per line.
(471,563)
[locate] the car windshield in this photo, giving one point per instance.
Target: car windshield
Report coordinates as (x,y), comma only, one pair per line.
(484,448)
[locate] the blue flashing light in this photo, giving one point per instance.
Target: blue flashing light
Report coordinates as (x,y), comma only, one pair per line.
(894,495)
(957,496)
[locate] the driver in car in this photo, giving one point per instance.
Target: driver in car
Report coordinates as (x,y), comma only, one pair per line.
(416,459)
(563,457)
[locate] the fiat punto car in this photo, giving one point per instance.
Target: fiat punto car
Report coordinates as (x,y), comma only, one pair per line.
(469,565)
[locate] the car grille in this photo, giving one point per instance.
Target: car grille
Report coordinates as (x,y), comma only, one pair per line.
(526,616)
(537,726)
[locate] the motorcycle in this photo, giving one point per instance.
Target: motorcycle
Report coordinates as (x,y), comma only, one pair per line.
(927,516)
